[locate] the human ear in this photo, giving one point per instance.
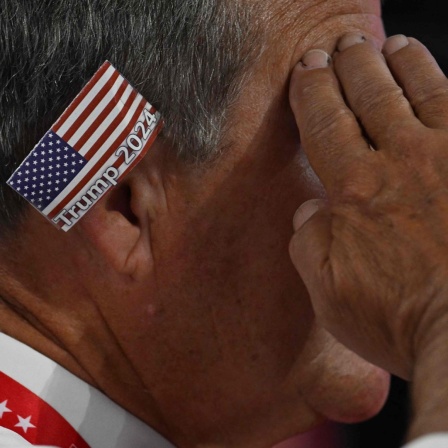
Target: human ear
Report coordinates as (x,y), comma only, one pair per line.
(119,225)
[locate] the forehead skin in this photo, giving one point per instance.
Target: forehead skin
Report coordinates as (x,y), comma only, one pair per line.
(290,28)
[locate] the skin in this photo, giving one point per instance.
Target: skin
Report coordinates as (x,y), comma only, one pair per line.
(374,254)
(176,296)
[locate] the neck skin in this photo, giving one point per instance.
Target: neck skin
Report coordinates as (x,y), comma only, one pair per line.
(80,324)
(44,305)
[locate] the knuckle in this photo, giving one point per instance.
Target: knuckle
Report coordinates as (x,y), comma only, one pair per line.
(325,120)
(424,96)
(360,182)
(377,97)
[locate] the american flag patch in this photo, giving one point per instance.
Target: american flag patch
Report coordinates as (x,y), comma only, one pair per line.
(101,136)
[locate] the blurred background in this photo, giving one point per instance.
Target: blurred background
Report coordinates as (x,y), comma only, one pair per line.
(427,21)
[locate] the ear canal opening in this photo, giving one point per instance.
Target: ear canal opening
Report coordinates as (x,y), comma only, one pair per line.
(120,201)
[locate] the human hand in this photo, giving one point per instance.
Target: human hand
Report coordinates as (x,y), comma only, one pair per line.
(374,256)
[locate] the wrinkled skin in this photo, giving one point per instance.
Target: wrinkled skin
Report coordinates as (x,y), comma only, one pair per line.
(374,256)
(176,295)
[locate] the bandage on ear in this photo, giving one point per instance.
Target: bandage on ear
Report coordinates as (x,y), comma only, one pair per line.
(101,136)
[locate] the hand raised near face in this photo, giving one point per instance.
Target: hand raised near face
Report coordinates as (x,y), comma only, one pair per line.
(374,256)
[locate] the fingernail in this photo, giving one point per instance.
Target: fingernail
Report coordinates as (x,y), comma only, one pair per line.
(349,40)
(395,43)
(304,213)
(315,59)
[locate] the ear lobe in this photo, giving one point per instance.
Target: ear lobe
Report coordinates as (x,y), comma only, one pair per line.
(119,235)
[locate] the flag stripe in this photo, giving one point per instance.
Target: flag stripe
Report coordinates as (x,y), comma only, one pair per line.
(109,87)
(74,104)
(101,163)
(97,137)
(99,116)
(86,97)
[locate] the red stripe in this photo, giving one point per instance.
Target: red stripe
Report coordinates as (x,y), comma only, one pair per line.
(101,117)
(51,428)
(93,171)
(84,92)
(90,107)
(112,126)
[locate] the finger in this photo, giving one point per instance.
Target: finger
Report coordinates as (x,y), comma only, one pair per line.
(306,211)
(371,90)
(422,80)
(328,129)
(309,251)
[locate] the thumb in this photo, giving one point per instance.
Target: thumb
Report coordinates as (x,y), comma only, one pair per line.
(309,251)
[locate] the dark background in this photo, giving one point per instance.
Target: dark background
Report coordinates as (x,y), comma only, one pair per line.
(426,21)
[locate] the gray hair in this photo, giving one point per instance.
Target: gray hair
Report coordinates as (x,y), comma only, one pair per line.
(187,57)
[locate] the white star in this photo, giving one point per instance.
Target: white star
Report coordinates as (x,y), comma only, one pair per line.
(81,162)
(24,423)
(4,408)
(58,142)
(66,148)
(73,155)
(50,135)
(27,163)
(19,173)
(64,180)
(51,143)
(43,145)
(35,162)
(27,172)
(58,150)
(66,156)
